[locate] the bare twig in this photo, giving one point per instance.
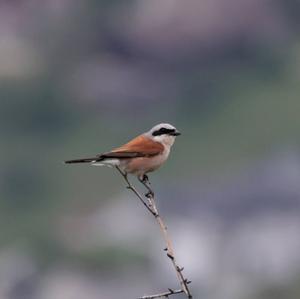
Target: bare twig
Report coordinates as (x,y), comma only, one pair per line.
(162,295)
(151,207)
(130,187)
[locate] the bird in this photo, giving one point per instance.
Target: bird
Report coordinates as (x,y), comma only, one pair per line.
(141,155)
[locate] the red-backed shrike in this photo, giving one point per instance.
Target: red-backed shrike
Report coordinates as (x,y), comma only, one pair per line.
(141,155)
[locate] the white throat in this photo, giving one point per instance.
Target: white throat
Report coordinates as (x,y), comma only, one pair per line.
(166,140)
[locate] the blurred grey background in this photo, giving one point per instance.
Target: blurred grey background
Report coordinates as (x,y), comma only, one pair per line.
(80,77)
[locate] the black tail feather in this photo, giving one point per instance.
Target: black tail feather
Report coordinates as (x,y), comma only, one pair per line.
(86,160)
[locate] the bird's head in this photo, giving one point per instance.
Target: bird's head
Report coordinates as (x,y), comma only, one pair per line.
(163,133)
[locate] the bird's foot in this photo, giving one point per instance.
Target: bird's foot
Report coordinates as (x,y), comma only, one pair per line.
(145,179)
(149,194)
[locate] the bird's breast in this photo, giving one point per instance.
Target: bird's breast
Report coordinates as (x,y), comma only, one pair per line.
(143,165)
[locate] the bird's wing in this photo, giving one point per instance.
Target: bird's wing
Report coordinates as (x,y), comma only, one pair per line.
(140,146)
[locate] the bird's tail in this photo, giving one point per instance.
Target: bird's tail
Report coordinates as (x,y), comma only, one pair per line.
(85,160)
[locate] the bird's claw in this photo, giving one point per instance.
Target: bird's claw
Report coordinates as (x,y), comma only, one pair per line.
(145,179)
(149,194)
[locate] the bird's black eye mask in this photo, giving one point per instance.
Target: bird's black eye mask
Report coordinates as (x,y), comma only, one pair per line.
(163,131)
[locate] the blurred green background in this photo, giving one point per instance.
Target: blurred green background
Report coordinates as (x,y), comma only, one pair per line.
(80,77)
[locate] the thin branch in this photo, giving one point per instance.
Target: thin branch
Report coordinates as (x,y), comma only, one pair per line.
(151,207)
(161,295)
(170,251)
(130,187)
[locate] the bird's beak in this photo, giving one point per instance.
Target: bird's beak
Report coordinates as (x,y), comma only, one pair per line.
(176,133)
